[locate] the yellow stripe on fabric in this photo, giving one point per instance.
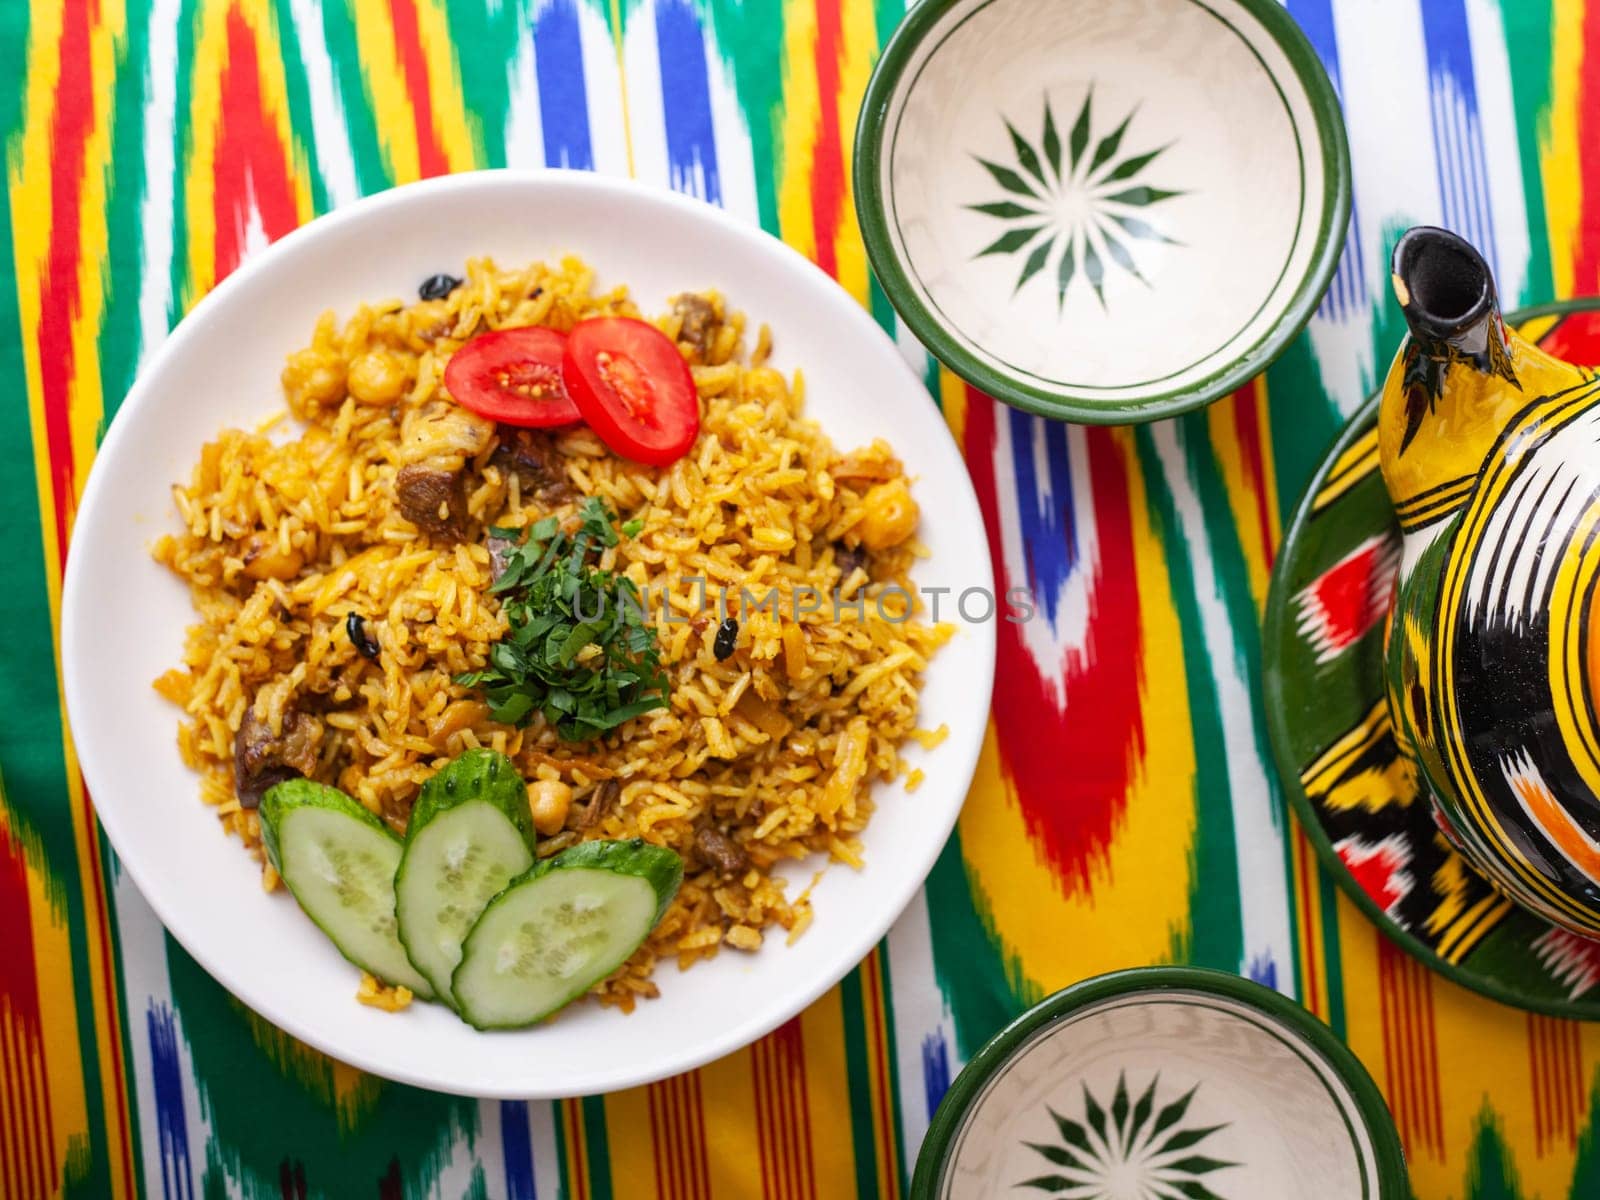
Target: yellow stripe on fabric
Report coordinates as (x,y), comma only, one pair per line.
(860,48)
(30,191)
(55,1057)
(1313,959)
(274,83)
(875,1018)
(29,188)
(452,126)
(210,58)
(1561,153)
(632,1149)
(953,401)
(1145,878)
(87,410)
(1244,491)
(727,1088)
(1486,1048)
(798,137)
(392,111)
(827,1083)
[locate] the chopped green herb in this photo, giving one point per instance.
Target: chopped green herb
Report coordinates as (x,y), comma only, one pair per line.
(559,604)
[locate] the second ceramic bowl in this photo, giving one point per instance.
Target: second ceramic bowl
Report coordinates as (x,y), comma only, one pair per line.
(1164,1081)
(1105,211)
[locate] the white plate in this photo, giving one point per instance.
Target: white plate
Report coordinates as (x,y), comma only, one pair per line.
(124,616)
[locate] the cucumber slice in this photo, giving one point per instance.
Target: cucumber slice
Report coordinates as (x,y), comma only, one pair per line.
(339,861)
(471,834)
(560,929)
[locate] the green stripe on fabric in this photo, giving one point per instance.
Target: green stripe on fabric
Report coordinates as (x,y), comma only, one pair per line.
(494,37)
(597,1148)
(983,986)
(1304,420)
(373,170)
(246,1070)
(308,156)
(1332,955)
(563,1159)
(1528,27)
(858,1069)
(888,15)
(1491,1174)
(118,352)
(1215,934)
(124,268)
(749,39)
(179,300)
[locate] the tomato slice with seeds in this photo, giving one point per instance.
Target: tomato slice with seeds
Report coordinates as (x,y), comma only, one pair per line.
(513,376)
(633,387)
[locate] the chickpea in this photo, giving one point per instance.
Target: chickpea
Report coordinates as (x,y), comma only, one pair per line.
(891,515)
(313,378)
(376,378)
(548,800)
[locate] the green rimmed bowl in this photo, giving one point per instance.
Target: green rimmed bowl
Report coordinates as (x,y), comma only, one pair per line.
(1163,1081)
(1106,211)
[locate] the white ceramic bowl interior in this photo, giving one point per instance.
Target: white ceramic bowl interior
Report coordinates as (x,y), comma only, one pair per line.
(1213,1092)
(1105,206)
(124,618)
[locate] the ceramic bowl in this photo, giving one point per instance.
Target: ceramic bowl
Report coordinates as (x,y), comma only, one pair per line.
(124,616)
(1105,211)
(1163,1081)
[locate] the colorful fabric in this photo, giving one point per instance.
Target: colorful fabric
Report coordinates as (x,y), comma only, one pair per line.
(1125,810)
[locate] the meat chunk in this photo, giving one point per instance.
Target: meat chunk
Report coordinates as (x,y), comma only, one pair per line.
(602,801)
(848,558)
(720,852)
(434,501)
(499,549)
(261,760)
(700,323)
(537,462)
(436,441)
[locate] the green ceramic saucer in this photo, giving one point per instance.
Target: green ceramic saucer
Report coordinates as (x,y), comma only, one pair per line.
(1092,221)
(1163,1081)
(1356,796)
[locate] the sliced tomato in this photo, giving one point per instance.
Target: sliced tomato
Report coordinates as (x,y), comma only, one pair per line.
(633,387)
(514,376)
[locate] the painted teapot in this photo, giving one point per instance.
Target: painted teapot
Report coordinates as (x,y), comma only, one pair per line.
(1490,449)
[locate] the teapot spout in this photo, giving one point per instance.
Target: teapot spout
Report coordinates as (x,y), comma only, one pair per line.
(1456,380)
(1447,295)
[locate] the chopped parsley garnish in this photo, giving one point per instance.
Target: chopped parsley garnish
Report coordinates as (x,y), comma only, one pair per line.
(578,649)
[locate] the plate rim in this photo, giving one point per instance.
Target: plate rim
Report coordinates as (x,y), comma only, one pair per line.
(1273,686)
(964,747)
(872,210)
(1388,1153)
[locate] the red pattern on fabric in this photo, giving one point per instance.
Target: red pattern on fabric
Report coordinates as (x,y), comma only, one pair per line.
(252,163)
(1070,814)
(827,163)
(414,66)
(28,1165)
